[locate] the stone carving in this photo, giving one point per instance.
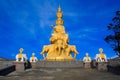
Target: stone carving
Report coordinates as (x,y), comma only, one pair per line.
(86,58)
(59,49)
(20,56)
(101,57)
(33,58)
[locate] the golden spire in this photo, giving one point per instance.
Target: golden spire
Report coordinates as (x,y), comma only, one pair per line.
(59,14)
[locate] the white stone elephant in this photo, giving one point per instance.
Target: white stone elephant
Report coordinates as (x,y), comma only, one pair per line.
(99,59)
(23,58)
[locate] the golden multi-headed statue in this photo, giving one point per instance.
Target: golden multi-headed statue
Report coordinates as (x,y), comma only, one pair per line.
(59,49)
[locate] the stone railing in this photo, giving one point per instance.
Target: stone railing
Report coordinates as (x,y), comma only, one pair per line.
(114,66)
(6,67)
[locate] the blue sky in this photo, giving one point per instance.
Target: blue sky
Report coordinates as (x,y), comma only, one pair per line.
(26,24)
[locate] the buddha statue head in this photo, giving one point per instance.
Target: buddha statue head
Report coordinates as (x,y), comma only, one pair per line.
(87,55)
(33,54)
(21,50)
(59,15)
(100,50)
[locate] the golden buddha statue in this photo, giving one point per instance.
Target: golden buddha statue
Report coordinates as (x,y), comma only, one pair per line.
(20,56)
(101,57)
(86,58)
(33,58)
(59,48)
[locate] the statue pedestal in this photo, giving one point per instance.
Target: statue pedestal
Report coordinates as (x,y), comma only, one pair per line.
(19,66)
(102,66)
(57,64)
(33,64)
(87,65)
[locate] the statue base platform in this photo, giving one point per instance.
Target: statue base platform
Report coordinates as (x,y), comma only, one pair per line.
(19,66)
(59,58)
(87,65)
(33,64)
(57,64)
(102,66)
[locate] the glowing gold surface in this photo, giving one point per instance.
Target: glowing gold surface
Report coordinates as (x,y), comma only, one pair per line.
(20,55)
(59,49)
(33,57)
(102,55)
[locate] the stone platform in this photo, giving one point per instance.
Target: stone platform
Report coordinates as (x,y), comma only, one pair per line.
(57,64)
(19,66)
(61,74)
(102,66)
(87,65)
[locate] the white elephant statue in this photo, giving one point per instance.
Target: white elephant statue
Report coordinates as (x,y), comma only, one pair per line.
(23,58)
(86,58)
(33,58)
(20,56)
(101,57)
